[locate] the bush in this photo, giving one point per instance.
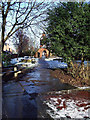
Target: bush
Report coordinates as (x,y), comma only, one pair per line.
(27,53)
(6,58)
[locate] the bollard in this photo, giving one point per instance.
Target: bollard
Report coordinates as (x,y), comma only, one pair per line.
(15,73)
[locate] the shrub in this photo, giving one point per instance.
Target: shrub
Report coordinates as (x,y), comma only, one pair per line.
(6,57)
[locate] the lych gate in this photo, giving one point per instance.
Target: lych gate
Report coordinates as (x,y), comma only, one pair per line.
(42,52)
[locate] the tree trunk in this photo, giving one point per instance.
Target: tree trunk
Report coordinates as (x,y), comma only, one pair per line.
(87,73)
(3,26)
(3,45)
(4,16)
(82,72)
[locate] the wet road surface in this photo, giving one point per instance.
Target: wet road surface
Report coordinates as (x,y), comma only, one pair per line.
(22,98)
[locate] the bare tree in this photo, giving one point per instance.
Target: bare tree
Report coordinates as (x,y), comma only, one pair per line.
(22,41)
(21,15)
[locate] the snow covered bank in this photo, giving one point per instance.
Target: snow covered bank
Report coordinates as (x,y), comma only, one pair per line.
(24,64)
(16,60)
(84,88)
(55,63)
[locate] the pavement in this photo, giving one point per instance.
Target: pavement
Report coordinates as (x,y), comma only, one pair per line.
(23,98)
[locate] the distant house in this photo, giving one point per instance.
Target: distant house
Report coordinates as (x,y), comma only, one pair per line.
(7,48)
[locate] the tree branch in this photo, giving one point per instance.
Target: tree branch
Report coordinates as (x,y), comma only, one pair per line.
(27,14)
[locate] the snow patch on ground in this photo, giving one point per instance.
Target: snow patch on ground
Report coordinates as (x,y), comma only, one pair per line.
(67,107)
(84,87)
(23,64)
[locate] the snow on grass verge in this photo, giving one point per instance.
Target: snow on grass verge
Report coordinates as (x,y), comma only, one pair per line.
(83,87)
(75,105)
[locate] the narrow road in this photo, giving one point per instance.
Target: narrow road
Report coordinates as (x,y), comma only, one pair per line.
(22,98)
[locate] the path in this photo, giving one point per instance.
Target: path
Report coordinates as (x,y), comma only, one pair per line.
(22,99)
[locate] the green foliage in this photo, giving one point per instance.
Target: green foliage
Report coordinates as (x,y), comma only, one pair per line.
(68,30)
(27,53)
(33,53)
(6,57)
(27,61)
(43,40)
